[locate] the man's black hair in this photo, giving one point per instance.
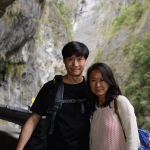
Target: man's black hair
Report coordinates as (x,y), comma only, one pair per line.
(75,48)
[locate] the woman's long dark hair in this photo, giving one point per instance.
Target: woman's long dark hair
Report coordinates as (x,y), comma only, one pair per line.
(107,74)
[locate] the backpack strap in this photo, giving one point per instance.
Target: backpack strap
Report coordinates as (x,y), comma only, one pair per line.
(57,105)
(52,96)
(117,112)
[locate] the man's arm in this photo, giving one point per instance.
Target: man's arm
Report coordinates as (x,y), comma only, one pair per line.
(27,130)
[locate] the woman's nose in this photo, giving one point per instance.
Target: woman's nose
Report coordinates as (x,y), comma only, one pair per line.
(98,83)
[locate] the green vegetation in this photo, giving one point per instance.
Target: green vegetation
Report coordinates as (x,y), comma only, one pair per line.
(38,37)
(129,15)
(13,12)
(65,15)
(26,81)
(38,1)
(14,70)
(63,9)
(146,126)
(3,122)
(2,56)
(97,55)
(21,96)
(138,88)
(137,51)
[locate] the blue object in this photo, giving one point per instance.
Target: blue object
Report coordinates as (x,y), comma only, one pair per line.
(144,139)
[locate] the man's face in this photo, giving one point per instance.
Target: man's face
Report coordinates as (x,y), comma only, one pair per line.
(75,65)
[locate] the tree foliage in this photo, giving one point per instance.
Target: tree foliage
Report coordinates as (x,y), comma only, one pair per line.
(138,48)
(129,15)
(138,88)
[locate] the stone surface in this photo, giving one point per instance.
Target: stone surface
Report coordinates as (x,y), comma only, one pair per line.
(32,34)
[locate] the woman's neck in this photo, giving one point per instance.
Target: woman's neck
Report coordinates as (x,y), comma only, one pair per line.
(101,100)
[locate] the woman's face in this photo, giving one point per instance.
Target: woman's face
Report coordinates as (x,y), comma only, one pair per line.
(98,86)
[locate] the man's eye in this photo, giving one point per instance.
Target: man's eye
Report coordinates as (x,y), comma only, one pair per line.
(92,80)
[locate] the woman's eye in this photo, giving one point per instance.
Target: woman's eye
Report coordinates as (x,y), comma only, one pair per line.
(101,79)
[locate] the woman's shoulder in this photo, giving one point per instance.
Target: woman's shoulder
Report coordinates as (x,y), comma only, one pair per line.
(124,103)
(122,98)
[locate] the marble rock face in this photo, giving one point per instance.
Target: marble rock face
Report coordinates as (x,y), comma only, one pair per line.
(32,34)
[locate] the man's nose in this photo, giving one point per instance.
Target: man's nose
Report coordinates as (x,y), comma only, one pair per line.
(75,63)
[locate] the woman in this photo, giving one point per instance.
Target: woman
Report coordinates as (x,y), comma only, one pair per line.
(106,131)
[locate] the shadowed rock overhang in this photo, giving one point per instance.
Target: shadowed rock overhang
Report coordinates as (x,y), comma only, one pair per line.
(3,5)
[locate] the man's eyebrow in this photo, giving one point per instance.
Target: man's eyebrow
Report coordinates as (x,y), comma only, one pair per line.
(92,77)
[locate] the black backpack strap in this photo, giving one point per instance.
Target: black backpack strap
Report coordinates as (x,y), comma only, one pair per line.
(57,105)
(57,79)
(49,111)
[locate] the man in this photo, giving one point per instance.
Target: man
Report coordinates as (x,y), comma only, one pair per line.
(71,126)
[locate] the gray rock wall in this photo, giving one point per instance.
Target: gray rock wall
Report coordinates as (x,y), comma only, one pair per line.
(92,21)
(32,34)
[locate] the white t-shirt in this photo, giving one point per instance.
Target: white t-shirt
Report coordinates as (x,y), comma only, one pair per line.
(106,131)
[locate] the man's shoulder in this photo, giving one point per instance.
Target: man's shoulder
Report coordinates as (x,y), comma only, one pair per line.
(55,80)
(49,83)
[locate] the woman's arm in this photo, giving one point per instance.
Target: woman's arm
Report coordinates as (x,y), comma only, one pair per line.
(27,130)
(128,118)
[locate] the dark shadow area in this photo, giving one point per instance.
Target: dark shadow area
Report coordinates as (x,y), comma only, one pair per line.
(14,114)
(8,137)
(3,5)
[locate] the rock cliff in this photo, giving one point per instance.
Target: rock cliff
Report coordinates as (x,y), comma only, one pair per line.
(33,32)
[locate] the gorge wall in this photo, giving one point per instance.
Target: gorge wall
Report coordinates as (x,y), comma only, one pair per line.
(33,32)
(32,35)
